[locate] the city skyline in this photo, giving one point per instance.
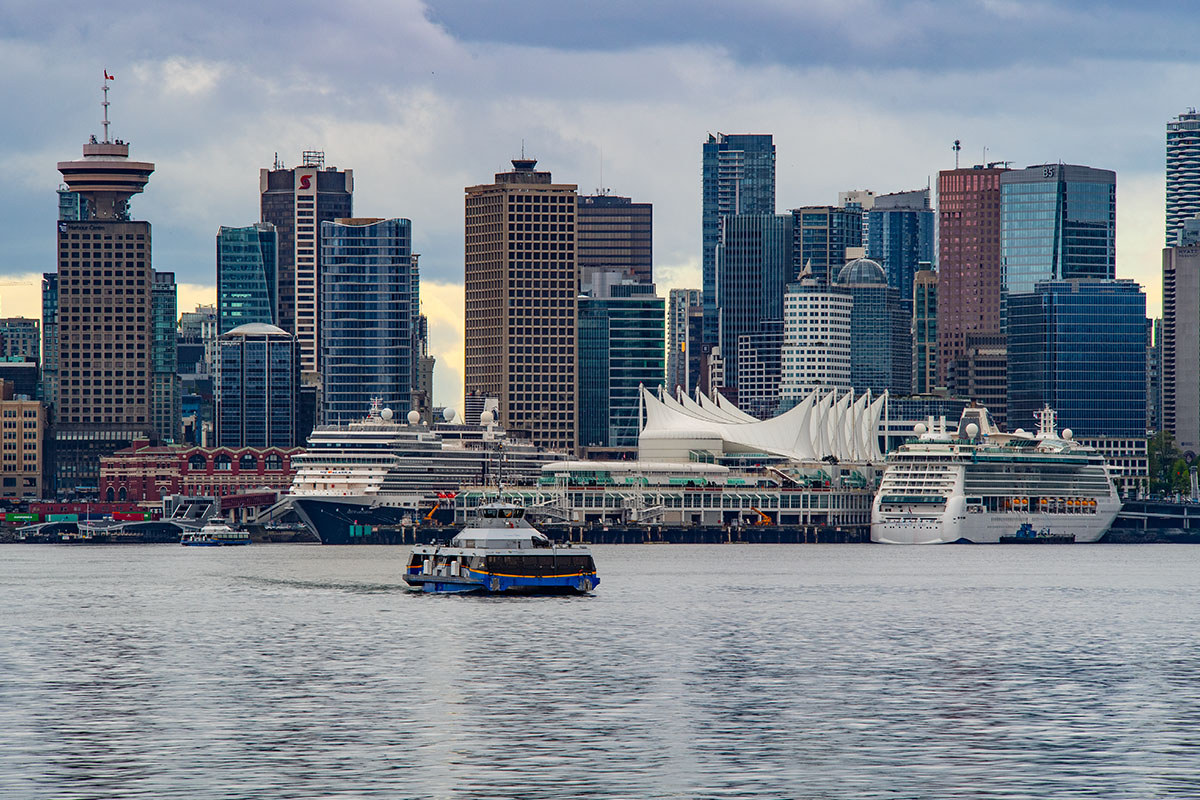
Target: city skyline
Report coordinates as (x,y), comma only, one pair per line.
(418,123)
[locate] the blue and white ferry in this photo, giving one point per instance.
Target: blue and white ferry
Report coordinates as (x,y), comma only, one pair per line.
(499,552)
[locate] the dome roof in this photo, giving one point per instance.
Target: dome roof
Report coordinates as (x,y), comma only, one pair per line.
(862,270)
(257,329)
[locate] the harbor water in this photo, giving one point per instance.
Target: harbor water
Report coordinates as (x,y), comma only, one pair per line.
(741,671)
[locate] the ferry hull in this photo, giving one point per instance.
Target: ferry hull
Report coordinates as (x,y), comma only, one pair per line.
(475,581)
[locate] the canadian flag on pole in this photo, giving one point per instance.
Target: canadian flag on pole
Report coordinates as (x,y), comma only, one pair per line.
(108,77)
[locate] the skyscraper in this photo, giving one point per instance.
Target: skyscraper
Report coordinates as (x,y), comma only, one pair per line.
(1180,342)
(754,260)
(681,346)
(48,382)
(880,330)
(1057,221)
(816,345)
(104,279)
(925,284)
(247,276)
(1183,171)
(296,201)
(969,268)
(614,233)
(1079,346)
(760,369)
(258,387)
(821,236)
(621,346)
(738,177)
(864,201)
(521,290)
(900,237)
(369,323)
(165,411)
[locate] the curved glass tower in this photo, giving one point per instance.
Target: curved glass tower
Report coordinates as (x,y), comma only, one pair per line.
(369,302)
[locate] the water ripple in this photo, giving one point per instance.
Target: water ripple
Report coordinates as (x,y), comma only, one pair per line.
(723,672)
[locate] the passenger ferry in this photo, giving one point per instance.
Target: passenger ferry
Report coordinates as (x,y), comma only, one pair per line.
(499,552)
(977,484)
(216,534)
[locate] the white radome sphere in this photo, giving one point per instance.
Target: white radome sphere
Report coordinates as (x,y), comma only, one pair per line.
(386,413)
(919,429)
(414,417)
(448,414)
(487,418)
(972,430)
(1019,432)
(1068,433)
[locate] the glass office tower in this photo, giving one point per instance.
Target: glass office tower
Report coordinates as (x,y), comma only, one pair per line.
(1057,221)
(738,177)
(621,348)
(1079,346)
(370,305)
(247,276)
(754,261)
(900,237)
(258,388)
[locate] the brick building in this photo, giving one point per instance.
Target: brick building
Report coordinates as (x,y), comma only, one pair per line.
(142,472)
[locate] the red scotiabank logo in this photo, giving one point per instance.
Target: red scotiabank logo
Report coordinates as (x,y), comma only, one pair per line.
(306,181)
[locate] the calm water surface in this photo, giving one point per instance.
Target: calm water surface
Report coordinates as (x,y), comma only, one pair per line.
(709,671)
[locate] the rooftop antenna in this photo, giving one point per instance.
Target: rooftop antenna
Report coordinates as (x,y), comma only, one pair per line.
(107,78)
(522,149)
(957,146)
(985,154)
(278,161)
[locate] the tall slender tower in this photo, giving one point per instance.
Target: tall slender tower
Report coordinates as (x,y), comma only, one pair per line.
(521,290)
(1183,171)
(738,177)
(296,201)
(105,326)
(969,268)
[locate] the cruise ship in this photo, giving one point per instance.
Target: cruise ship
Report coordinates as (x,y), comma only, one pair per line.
(976,484)
(383,472)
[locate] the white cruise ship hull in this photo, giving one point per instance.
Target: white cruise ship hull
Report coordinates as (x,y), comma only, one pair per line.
(981,528)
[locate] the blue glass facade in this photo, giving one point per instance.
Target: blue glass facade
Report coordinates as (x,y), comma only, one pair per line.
(821,235)
(258,388)
(1079,346)
(900,237)
(880,330)
(165,409)
(48,388)
(369,310)
(1057,221)
(754,260)
(738,177)
(621,347)
(247,276)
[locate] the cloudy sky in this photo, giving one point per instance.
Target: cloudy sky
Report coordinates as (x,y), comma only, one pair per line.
(424,98)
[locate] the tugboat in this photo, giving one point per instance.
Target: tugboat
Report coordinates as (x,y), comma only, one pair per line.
(499,552)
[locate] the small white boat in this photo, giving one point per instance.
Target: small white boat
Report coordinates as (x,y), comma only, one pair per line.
(215,534)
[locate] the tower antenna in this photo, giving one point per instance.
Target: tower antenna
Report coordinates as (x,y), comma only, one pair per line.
(104,103)
(957,146)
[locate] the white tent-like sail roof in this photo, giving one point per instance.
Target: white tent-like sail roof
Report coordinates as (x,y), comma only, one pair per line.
(821,425)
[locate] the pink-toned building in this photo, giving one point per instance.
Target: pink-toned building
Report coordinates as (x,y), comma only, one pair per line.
(970,275)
